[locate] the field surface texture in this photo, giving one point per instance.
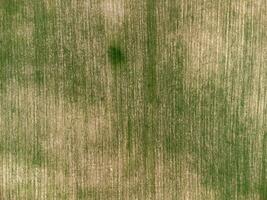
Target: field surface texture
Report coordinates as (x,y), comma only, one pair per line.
(133,100)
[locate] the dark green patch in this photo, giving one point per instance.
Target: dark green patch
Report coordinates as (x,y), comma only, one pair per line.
(10,6)
(150,128)
(151,56)
(171,88)
(220,143)
(115,55)
(75,76)
(38,156)
(18,146)
(39,77)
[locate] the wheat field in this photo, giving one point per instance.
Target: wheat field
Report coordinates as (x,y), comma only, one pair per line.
(133,100)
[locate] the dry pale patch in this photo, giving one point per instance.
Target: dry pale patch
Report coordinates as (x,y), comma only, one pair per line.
(178,180)
(25,31)
(66,132)
(113,11)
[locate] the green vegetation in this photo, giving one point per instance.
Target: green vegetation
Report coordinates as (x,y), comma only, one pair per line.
(139,100)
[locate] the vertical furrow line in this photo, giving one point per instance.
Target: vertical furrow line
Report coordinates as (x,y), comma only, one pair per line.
(150,97)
